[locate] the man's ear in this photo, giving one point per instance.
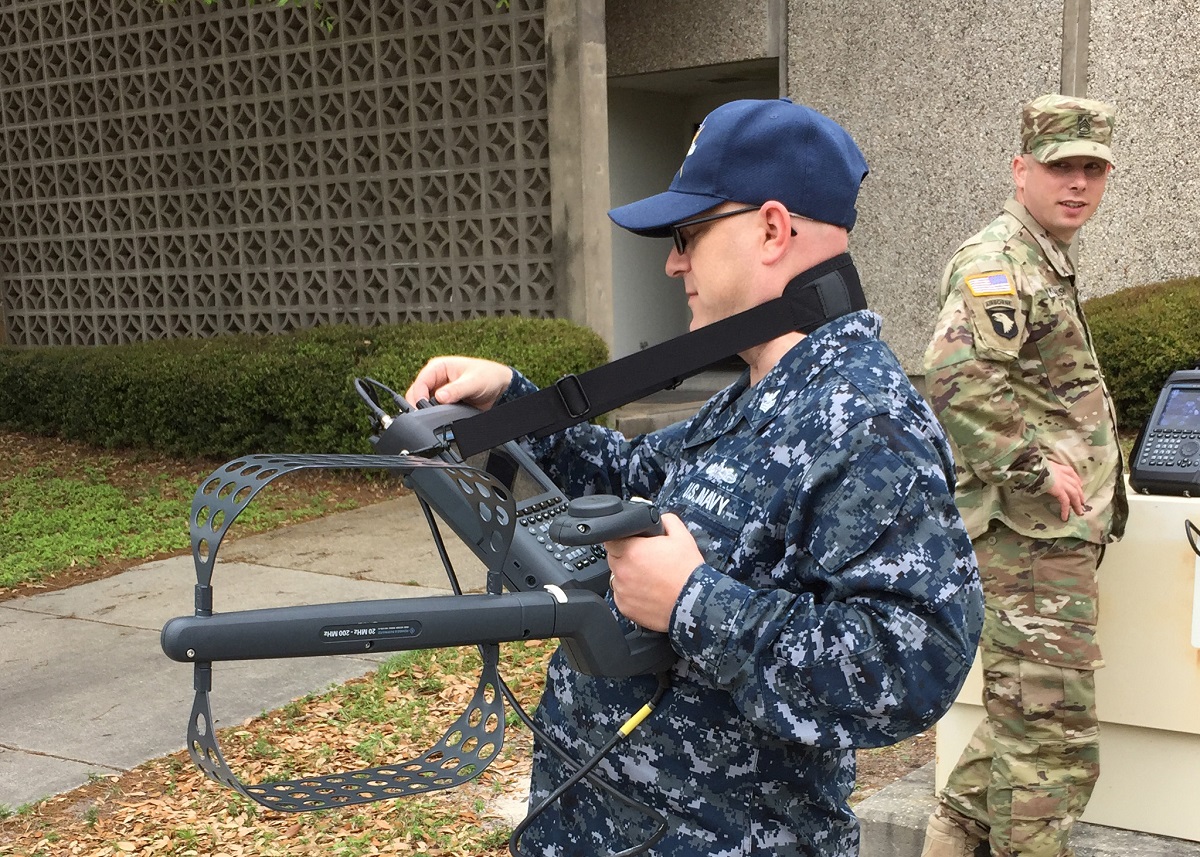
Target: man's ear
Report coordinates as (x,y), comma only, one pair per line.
(778,233)
(1019,171)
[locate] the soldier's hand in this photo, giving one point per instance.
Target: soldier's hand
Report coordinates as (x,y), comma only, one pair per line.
(1066,487)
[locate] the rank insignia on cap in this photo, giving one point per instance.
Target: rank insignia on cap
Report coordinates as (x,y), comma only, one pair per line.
(1084,126)
(691,148)
(990,284)
(1004,321)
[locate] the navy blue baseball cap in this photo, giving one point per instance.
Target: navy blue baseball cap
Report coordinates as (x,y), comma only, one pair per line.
(752,152)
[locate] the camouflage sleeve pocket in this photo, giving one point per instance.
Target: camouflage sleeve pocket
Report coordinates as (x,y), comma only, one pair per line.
(855,512)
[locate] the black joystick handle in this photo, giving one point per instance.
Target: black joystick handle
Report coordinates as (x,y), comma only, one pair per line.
(600,518)
(603,517)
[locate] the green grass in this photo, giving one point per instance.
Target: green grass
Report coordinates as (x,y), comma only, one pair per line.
(50,522)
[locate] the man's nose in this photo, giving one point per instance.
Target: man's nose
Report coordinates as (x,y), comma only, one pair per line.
(677,263)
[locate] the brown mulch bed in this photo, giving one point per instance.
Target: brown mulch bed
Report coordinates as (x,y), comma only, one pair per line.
(167,806)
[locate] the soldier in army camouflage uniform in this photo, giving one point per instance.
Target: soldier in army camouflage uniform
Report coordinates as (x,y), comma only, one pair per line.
(815,578)
(1012,374)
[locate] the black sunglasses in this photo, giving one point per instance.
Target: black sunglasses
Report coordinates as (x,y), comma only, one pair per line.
(681,241)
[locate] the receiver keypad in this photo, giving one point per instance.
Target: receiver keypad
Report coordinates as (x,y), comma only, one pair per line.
(536,518)
(1171,448)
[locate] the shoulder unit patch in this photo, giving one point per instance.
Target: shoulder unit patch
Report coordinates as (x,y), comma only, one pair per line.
(1004,321)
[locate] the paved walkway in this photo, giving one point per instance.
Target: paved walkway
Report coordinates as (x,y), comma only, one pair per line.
(85,688)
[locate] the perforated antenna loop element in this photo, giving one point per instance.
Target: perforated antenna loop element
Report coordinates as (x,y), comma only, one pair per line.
(229,489)
(467,748)
(469,745)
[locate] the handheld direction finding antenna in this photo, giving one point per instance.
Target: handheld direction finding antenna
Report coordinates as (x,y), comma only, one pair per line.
(508,513)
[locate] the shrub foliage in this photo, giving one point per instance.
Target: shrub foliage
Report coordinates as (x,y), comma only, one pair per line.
(236,395)
(294,392)
(1142,335)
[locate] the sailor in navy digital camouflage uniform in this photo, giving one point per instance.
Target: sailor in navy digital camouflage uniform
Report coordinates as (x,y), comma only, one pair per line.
(815,578)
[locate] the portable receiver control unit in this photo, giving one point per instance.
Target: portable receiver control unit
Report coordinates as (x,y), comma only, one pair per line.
(1166,457)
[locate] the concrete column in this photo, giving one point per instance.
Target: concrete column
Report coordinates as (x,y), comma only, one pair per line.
(579,189)
(777,40)
(1076,34)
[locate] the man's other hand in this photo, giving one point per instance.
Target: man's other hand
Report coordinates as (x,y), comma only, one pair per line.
(460,379)
(1066,487)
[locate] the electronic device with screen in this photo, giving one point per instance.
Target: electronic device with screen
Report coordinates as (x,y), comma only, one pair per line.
(535,559)
(1166,457)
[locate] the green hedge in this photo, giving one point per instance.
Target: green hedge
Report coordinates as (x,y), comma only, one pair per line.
(1142,335)
(238,395)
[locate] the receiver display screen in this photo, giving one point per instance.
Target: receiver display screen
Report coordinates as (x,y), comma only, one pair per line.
(507,470)
(1181,410)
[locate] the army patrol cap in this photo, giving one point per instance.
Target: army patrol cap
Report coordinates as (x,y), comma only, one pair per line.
(1054,127)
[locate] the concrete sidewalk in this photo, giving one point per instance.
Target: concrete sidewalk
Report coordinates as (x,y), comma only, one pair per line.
(85,688)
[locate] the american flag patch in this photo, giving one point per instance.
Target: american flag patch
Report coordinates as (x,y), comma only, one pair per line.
(990,284)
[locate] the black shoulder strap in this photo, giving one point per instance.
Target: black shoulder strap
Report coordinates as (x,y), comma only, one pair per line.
(818,295)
